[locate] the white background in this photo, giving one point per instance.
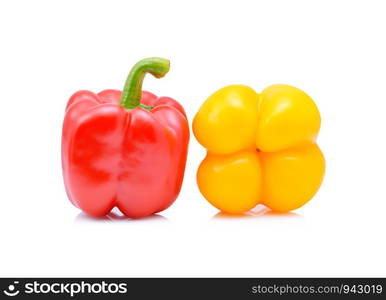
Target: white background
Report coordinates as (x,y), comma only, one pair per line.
(333,50)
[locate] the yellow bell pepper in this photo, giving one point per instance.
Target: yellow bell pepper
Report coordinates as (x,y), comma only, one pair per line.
(261,148)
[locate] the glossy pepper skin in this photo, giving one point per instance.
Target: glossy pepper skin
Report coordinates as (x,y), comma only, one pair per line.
(124,149)
(261,148)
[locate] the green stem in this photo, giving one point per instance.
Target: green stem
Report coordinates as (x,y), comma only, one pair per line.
(132,91)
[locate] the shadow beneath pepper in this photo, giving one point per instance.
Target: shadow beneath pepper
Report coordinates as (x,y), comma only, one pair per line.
(115,217)
(259,211)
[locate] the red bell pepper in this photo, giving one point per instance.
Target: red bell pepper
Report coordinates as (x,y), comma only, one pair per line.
(125,149)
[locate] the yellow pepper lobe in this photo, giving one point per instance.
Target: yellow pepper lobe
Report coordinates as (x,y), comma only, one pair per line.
(291,177)
(231,183)
(287,117)
(227,121)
